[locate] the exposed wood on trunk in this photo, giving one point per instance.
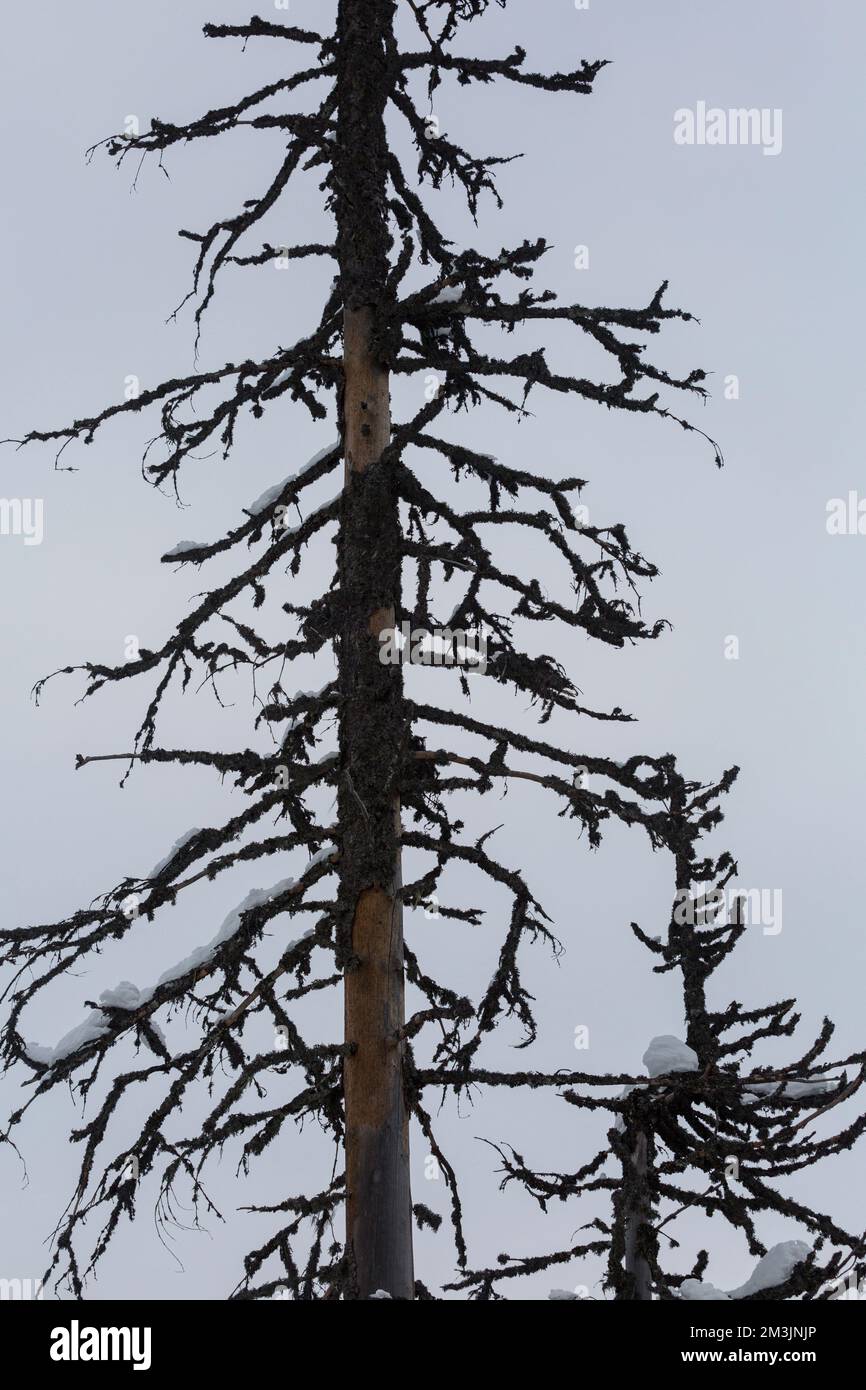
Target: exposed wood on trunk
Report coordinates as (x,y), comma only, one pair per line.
(372,711)
(379,1214)
(638,1219)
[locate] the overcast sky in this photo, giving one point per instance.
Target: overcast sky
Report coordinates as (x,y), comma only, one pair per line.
(765,250)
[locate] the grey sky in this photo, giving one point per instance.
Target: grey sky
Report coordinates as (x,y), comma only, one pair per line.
(766,251)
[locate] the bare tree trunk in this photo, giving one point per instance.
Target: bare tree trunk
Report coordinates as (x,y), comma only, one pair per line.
(373,726)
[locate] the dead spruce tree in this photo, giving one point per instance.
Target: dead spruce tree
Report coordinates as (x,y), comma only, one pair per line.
(405,302)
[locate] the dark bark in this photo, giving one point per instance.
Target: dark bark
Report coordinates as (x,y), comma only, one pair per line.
(372,708)
(638,1216)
